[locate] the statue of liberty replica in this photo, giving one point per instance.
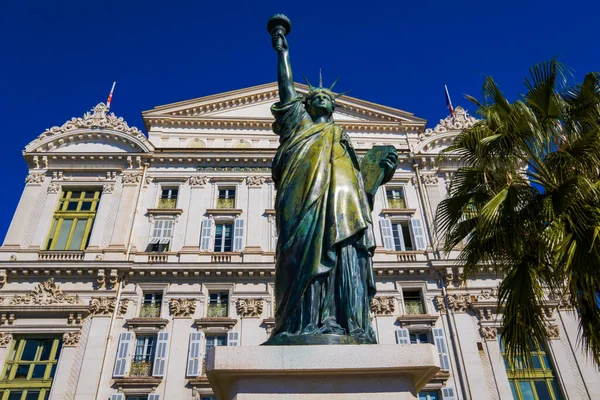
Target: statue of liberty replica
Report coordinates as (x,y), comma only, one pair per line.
(324,279)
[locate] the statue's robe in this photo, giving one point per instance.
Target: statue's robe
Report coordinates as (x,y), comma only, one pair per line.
(324,272)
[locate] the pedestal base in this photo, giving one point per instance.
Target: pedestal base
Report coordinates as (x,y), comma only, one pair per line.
(347,372)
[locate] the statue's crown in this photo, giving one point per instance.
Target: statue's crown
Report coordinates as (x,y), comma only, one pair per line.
(313,90)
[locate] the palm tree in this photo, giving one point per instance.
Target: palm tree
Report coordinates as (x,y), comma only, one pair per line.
(526,201)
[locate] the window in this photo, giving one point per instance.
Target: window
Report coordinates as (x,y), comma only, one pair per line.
(395,198)
(217,304)
(223,238)
(226,198)
(413,304)
(143,358)
(215,340)
(30,368)
(151,305)
(168,198)
(537,383)
(403,234)
(419,337)
(162,233)
(208,398)
(429,396)
(121,396)
(73,220)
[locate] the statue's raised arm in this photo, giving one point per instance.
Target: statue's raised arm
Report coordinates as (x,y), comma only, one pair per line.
(279,26)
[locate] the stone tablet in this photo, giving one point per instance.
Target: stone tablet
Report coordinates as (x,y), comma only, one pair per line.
(371,169)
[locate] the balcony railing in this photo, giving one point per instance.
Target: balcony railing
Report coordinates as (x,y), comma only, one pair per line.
(167,203)
(226,203)
(150,311)
(414,307)
(141,368)
(396,203)
(217,311)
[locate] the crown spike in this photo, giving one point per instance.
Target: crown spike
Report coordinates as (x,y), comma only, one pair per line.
(334,83)
(320,78)
(310,86)
(342,94)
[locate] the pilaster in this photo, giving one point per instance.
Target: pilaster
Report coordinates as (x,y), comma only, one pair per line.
(27,213)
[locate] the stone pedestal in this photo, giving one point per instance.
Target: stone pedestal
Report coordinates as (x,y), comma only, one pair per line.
(347,372)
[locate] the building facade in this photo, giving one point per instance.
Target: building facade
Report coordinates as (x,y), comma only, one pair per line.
(130,254)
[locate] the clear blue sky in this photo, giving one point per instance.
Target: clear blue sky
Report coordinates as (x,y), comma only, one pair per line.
(58,58)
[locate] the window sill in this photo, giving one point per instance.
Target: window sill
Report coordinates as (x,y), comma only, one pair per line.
(164,211)
(137,385)
(224,211)
(216,324)
(146,325)
(408,320)
(399,211)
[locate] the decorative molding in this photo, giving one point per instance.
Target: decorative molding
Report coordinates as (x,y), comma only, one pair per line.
(489,333)
(5,339)
(3,275)
(102,306)
(98,117)
(71,339)
(123,305)
(460,120)
(108,188)
(198,181)
(564,302)
(35,179)
(182,307)
(54,187)
(250,307)
(488,294)
(113,278)
(131,179)
(46,293)
(458,303)
(427,179)
(440,304)
(383,305)
(256,181)
(101,278)
(76,370)
(553,332)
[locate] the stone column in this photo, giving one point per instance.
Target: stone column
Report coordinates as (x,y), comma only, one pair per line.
(44,223)
(94,354)
(125,212)
(28,212)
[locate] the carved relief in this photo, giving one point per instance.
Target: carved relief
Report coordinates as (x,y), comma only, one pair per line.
(131,179)
(249,307)
(553,332)
(198,181)
(427,179)
(3,276)
(5,339)
(46,293)
(182,307)
(108,188)
(54,188)
(548,312)
(564,302)
(461,120)
(35,179)
(458,302)
(7,319)
(113,278)
(255,181)
(70,339)
(75,319)
(123,305)
(382,305)
(97,118)
(101,278)
(488,294)
(440,304)
(485,314)
(489,333)
(102,305)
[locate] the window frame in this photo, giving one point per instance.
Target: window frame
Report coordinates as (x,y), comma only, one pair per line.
(62,214)
(419,291)
(223,248)
(391,199)
(169,199)
(229,200)
(151,308)
(220,307)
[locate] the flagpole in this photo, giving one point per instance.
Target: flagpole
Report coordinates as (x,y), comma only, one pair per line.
(110,95)
(449,102)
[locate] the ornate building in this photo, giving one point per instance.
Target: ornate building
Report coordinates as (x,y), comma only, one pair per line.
(129,255)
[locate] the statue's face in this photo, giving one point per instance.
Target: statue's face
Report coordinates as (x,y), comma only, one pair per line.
(319,105)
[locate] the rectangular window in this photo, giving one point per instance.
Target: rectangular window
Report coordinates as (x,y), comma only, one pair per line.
(218,304)
(402,236)
(73,220)
(223,238)
(168,198)
(429,396)
(161,235)
(419,337)
(143,358)
(151,305)
(395,197)
(215,340)
(413,303)
(226,198)
(30,368)
(538,381)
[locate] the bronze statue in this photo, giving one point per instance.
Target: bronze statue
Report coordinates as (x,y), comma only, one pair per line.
(324,273)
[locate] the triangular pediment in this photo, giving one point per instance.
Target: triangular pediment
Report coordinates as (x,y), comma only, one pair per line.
(254,103)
